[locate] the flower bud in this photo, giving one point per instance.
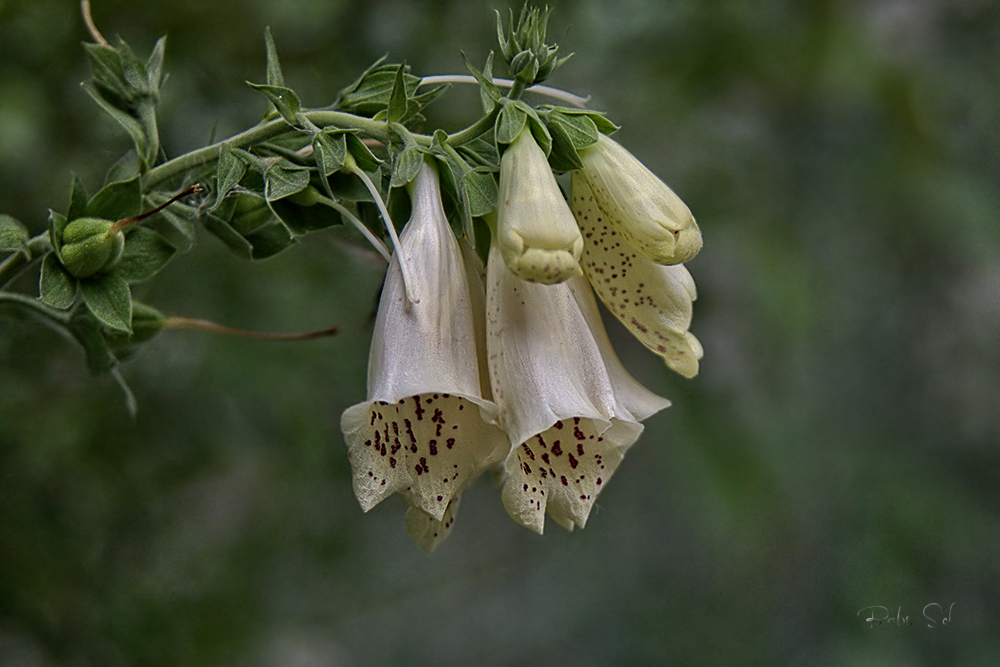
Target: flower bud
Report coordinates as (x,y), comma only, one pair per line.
(250,214)
(538,236)
(639,205)
(90,246)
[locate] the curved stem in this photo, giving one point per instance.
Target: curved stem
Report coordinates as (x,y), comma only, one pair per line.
(360,226)
(33,250)
(208,325)
(254,135)
(548,91)
(91,26)
(384,212)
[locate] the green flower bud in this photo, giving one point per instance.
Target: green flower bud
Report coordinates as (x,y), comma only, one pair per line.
(146,323)
(91,246)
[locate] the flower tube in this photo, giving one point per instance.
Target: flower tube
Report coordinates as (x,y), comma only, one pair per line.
(653,301)
(568,406)
(536,232)
(639,205)
(428,427)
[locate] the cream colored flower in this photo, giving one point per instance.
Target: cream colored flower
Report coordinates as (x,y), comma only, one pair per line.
(639,205)
(568,406)
(428,428)
(653,301)
(536,232)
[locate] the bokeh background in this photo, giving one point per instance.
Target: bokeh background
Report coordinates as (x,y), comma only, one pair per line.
(840,449)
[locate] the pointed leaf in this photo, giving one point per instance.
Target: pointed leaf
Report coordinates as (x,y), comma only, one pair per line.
(396,108)
(57,223)
(132,126)
(228,173)
(511,123)
(407,166)
(285,101)
(154,65)
(361,153)
(284,179)
(116,201)
(480,191)
(329,151)
(56,287)
(274,75)
(488,92)
(108,297)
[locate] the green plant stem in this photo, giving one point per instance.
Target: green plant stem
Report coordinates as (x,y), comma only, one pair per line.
(256,135)
(34,307)
(33,250)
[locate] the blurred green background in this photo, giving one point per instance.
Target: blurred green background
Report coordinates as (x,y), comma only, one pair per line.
(840,449)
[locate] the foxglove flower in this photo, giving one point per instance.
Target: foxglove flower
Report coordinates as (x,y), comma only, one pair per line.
(653,301)
(639,205)
(537,235)
(428,428)
(568,406)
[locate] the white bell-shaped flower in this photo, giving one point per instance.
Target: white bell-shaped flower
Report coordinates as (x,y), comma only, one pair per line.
(569,407)
(428,427)
(653,301)
(536,232)
(639,205)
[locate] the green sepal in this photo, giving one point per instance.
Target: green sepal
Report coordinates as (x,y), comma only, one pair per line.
(116,201)
(78,199)
(145,255)
(127,167)
(407,166)
(247,213)
(570,133)
(13,235)
(285,101)
(109,298)
(56,287)
(146,323)
(57,223)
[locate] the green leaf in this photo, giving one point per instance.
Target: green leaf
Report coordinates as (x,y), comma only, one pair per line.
(55,286)
(133,127)
(304,219)
(362,154)
(270,240)
(225,233)
(480,191)
(109,298)
(370,94)
(283,179)
(396,108)
(13,235)
(116,201)
(145,255)
(329,151)
(407,166)
(274,75)
(128,166)
(228,173)
(285,101)
(579,129)
(154,65)
(89,332)
(78,198)
(488,92)
(511,123)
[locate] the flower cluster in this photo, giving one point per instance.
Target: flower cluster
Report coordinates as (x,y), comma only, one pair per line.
(518,374)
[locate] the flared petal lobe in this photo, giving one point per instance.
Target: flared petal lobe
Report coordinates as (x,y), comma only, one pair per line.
(639,205)
(653,301)
(537,235)
(569,407)
(426,430)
